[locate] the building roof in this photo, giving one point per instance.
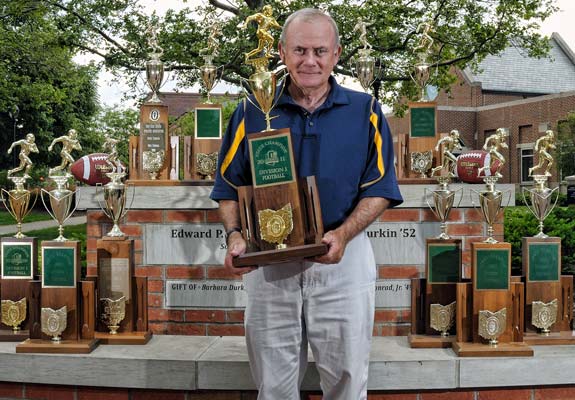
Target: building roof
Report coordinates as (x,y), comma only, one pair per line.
(512,71)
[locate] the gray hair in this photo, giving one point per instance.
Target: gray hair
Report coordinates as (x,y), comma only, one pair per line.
(309,15)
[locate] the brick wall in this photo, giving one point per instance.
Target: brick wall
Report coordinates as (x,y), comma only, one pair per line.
(56,392)
(463,223)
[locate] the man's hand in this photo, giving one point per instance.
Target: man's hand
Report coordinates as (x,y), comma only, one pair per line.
(236,247)
(336,242)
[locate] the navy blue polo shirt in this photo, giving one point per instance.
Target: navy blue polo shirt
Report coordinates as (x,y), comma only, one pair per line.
(345,143)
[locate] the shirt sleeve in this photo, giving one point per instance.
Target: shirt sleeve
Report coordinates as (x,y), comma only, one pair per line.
(379,179)
(233,162)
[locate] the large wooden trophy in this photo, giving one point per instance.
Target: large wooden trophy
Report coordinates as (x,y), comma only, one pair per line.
(121,298)
(19,253)
(548,295)
(423,133)
(280,214)
(150,153)
(433,299)
(66,319)
(489,318)
(201,150)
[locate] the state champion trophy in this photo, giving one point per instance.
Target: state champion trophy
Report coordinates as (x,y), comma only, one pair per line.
(433,303)
(19,253)
(280,214)
(423,133)
(495,310)
(150,152)
(548,304)
(201,150)
(66,319)
(122,298)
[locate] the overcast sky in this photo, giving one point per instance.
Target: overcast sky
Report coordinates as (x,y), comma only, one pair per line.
(562,22)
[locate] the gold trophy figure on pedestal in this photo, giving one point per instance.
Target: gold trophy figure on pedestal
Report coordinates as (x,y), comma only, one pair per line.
(494,144)
(69,143)
(423,50)
(27,146)
(450,143)
(365,67)
(543,147)
(208,71)
(154,66)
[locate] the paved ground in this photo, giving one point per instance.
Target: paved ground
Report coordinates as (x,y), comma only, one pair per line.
(32,226)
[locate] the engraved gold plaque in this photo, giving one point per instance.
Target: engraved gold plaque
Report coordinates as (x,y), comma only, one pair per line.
(113,312)
(275,226)
(421,162)
(492,325)
(442,317)
(14,313)
(206,164)
(544,315)
(54,322)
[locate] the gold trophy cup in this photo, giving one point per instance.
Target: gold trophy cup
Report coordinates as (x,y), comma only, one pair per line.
(59,205)
(113,312)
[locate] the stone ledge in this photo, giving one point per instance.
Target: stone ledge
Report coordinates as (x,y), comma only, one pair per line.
(221,363)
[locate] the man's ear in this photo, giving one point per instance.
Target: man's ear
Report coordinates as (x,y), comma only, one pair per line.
(281,52)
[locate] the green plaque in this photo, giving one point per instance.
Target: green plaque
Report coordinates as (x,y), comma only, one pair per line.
(544,261)
(422,121)
(208,123)
(444,262)
(271,160)
(17,260)
(58,267)
(492,269)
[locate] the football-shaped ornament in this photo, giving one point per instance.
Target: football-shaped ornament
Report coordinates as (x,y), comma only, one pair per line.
(469,164)
(91,169)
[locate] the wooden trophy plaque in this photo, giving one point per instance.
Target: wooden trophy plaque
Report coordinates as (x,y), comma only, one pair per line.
(19,267)
(497,305)
(153,140)
(544,284)
(61,287)
(116,280)
(201,150)
(442,273)
(276,202)
(423,133)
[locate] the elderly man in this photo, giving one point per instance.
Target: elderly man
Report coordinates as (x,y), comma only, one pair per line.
(341,137)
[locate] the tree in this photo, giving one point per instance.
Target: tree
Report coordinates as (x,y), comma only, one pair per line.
(50,93)
(464,32)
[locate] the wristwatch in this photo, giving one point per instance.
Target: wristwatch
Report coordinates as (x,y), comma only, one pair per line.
(232,230)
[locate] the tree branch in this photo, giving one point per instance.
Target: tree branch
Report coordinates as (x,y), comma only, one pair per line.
(225,7)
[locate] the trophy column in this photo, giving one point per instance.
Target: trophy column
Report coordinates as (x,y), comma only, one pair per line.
(62,314)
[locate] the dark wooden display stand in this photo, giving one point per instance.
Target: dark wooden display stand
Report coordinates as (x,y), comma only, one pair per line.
(206,140)
(443,272)
(543,282)
(115,279)
(423,133)
(305,239)
(17,287)
(492,289)
(80,316)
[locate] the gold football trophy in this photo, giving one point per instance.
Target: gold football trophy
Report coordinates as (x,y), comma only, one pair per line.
(365,67)
(273,222)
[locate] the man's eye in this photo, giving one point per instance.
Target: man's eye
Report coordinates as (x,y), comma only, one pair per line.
(321,52)
(299,52)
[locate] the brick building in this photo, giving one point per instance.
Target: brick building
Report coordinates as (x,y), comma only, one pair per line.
(511,90)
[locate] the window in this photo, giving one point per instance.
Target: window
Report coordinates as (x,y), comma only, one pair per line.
(525,162)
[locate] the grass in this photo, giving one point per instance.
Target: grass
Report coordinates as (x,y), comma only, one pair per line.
(6,218)
(72,232)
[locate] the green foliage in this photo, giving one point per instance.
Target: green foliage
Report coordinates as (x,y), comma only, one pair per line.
(42,91)
(520,222)
(465,31)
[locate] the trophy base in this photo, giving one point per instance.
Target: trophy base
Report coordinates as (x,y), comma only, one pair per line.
(128,338)
(8,335)
(430,341)
(554,338)
(83,346)
(512,349)
(295,253)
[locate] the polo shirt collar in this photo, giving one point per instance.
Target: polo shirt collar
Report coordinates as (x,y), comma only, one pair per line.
(337,94)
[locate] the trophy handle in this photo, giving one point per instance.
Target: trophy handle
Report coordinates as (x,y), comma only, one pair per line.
(427,193)
(100,204)
(42,191)
(284,72)
(6,205)
(76,202)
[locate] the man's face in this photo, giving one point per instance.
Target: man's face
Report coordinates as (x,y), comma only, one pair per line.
(310,53)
